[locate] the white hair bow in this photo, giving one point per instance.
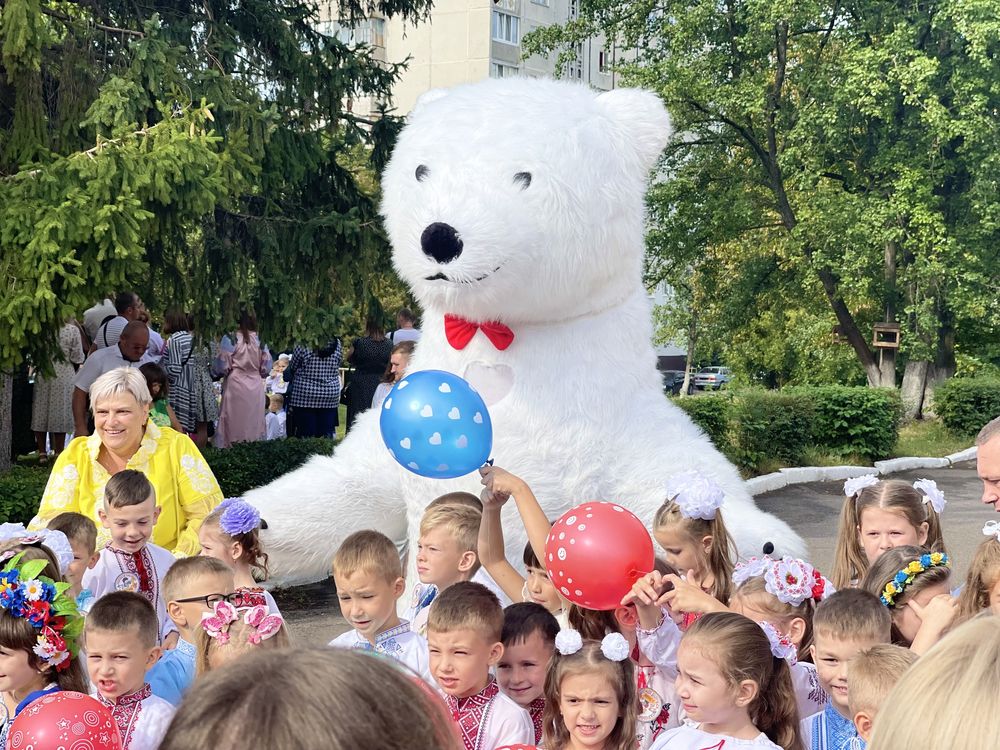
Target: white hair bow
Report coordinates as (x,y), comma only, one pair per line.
(696,495)
(853,486)
(992,528)
(932,494)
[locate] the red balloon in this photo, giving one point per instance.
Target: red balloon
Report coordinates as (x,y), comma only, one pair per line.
(64,720)
(595,552)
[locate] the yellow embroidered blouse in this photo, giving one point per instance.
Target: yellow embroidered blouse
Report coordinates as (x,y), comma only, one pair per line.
(186,489)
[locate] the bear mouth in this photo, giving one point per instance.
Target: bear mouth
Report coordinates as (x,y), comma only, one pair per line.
(440,276)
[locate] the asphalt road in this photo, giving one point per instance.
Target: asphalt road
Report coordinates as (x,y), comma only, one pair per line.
(811,509)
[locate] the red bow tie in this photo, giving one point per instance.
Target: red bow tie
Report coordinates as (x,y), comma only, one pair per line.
(460,331)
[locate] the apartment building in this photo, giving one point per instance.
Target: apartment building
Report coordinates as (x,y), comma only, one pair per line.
(468,40)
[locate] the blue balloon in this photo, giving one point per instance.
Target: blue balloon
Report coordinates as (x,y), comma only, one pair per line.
(436,425)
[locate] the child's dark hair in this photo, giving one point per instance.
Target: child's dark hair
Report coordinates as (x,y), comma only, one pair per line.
(18,634)
(530,559)
(128,487)
(522,619)
(253,549)
(123,612)
(156,375)
(78,529)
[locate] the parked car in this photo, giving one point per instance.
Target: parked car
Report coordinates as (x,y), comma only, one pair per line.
(673,380)
(712,378)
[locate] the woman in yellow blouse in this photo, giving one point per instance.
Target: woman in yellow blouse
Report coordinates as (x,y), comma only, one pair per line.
(125,438)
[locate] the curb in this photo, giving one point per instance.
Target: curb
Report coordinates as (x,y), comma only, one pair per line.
(805,474)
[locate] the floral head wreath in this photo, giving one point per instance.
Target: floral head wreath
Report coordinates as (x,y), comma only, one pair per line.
(56,541)
(696,495)
(895,588)
(238,516)
(781,645)
(789,580)
(260,624)
(614,646)
(992,528)
(24,593)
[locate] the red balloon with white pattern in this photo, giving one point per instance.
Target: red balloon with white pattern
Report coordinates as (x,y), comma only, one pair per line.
(64,720)
(595,552)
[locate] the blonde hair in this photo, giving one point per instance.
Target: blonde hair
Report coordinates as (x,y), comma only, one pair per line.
(873,673)
(590,661)
(118,381)
(947,700)
(460,521)
(297,700)
(467,606)
(206,647)
(850,562)
(754,591)
(853,614)
(888,565)
(740,649)
(78,529)
(720,556)
(984,572)
(368,552)
(183,572)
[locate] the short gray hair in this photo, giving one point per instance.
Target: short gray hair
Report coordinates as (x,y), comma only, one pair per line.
(120,380)
(990,431)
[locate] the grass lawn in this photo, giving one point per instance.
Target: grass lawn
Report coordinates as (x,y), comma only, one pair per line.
(928,437)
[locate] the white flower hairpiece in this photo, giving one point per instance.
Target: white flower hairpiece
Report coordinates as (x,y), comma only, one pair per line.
(853,486)
(992,528)
(568,641)
(932,494)
(781,645)
(696,495)
(56,541)
(615,647)
(752,568)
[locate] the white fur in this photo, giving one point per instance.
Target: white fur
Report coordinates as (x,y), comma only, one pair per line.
(582,415)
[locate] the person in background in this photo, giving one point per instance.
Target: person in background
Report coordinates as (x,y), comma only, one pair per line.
(187,363)
(407,331)
(52,398)
(128,307)
(398,362)
(161,412)
(370,356)
(988,462)
(95,316)
(314,392)
(244,364)
(156,347)
(275,419)
(275,382)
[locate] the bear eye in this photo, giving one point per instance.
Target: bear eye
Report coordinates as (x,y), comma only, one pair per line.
(523,179)
(421,173)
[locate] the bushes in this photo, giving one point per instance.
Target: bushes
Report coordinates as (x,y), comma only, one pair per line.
(966,404)
(711,413)
(769,427)
(20,492)
(243,466)
(854,421)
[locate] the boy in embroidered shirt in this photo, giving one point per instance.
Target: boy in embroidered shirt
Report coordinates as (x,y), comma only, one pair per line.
(131,562)
(82,535)
(369,578)
(121,635)
(446,554)
(529,640)
(872,675)
(463,634)
(844,625)
(190,588)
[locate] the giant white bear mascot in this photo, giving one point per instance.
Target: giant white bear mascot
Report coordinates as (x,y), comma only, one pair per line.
(521,201)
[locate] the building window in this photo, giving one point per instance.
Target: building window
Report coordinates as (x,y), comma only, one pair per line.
(370,31)
(499,70)
(506,28)
(574,68)
(604,61)
(574,9)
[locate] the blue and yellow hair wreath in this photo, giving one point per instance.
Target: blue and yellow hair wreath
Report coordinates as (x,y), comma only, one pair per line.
(907,575)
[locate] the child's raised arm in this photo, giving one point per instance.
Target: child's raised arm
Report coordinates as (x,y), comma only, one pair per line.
(491,548)
(501,483)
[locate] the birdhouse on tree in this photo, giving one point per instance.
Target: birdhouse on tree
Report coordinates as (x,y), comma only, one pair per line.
(886,336)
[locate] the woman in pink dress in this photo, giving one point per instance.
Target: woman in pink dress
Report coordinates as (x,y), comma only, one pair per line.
(245,366)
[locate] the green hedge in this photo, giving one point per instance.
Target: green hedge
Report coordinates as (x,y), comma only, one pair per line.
(711,413)
(769,426)
(853,420)
(238,468)
(966,404)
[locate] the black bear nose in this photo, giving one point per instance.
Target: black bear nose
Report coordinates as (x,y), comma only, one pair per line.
(440,242)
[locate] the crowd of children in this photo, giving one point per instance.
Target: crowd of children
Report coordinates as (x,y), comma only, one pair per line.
(705,652)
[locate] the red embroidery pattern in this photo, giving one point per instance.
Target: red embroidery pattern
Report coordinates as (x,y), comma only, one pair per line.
(247,596)
(471,714)
(126,712)
(141,564)
(537,708)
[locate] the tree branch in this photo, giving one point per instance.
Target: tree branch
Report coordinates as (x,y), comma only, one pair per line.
(69,19)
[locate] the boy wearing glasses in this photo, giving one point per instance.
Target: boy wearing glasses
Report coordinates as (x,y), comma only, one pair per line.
(130,562)
(190,588)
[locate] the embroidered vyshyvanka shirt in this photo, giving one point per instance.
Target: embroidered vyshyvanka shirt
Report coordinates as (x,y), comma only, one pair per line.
(489,719)
(828,730)
(186,489)
(399,643)
(690,737)
(141,717)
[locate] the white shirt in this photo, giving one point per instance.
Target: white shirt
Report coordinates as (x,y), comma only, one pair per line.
(507,724)
(399,643)
(95,315)
(109,333)
(404,334)
(102,361)
(143,724)
(274,423)
(481,576)
(690,737)
(155,348)
(809,694)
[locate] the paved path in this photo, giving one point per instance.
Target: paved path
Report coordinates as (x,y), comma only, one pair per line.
(811,509)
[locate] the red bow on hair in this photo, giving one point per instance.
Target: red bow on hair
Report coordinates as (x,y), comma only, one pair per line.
(460,331)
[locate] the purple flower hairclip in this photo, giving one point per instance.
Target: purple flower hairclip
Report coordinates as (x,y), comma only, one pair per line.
(238,516)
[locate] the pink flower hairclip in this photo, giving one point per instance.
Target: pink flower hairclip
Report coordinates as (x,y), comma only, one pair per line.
(217,624)
(261,624)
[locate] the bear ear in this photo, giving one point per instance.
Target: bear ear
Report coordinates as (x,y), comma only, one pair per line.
(642,118)
(427,97)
